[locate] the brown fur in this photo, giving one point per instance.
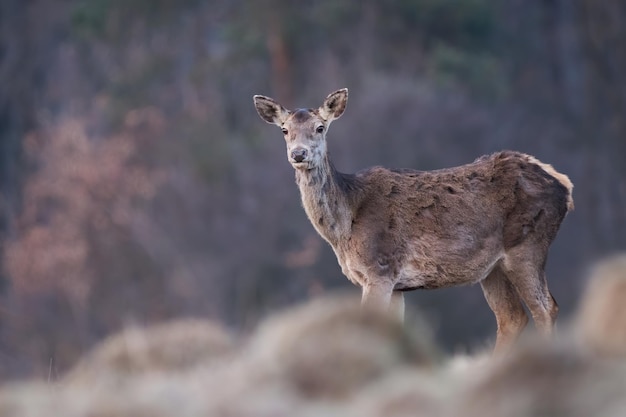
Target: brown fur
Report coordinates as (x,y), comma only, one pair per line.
(488,222)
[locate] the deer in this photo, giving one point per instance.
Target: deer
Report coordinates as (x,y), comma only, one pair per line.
(394,230)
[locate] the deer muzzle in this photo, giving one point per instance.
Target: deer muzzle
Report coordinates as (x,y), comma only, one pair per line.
(298,155)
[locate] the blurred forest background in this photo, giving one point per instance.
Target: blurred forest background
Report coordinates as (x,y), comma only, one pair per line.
(137,182)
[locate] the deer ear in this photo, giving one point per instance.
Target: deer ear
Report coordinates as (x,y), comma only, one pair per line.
(334,105)
(270,111)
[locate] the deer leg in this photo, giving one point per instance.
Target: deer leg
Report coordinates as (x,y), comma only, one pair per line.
(507,306)
(525,272)
(396,307)
(377,296)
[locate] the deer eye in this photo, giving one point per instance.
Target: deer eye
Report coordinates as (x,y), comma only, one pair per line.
(319,129)
(285,131)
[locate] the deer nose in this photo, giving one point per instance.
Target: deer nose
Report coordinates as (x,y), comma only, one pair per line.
(298,154)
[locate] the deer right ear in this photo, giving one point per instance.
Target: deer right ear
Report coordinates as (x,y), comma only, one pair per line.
(270,111)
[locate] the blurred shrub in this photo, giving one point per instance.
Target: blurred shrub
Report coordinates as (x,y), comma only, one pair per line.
(75,237)
(82,195)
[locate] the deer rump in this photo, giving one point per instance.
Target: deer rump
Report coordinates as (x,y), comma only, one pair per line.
(434,229)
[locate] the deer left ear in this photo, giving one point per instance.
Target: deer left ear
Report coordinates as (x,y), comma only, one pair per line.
(334,105)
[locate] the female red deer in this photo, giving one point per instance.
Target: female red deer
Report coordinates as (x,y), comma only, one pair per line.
(392,230)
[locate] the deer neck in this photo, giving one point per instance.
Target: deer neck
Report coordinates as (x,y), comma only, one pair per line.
(326,195)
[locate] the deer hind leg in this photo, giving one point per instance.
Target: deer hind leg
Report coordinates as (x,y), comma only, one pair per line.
(506,304)
(523,266)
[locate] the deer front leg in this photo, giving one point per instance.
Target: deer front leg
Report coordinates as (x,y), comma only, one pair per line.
(396,307)
(377,296)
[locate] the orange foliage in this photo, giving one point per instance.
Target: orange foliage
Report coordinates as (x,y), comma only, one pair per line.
(83,189)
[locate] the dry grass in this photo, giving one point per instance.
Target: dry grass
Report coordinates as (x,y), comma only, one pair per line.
(331,347)
(540,378)
(330,358)
(174,346)
(601,318)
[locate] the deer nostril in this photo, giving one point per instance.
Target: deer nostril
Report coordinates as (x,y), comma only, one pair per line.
(298,155)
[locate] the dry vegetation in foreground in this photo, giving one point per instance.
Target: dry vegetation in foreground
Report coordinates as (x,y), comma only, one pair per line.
(330,358)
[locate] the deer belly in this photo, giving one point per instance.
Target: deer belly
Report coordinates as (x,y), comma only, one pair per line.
(443,266)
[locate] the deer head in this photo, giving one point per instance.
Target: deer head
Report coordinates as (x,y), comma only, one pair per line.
(304,129)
